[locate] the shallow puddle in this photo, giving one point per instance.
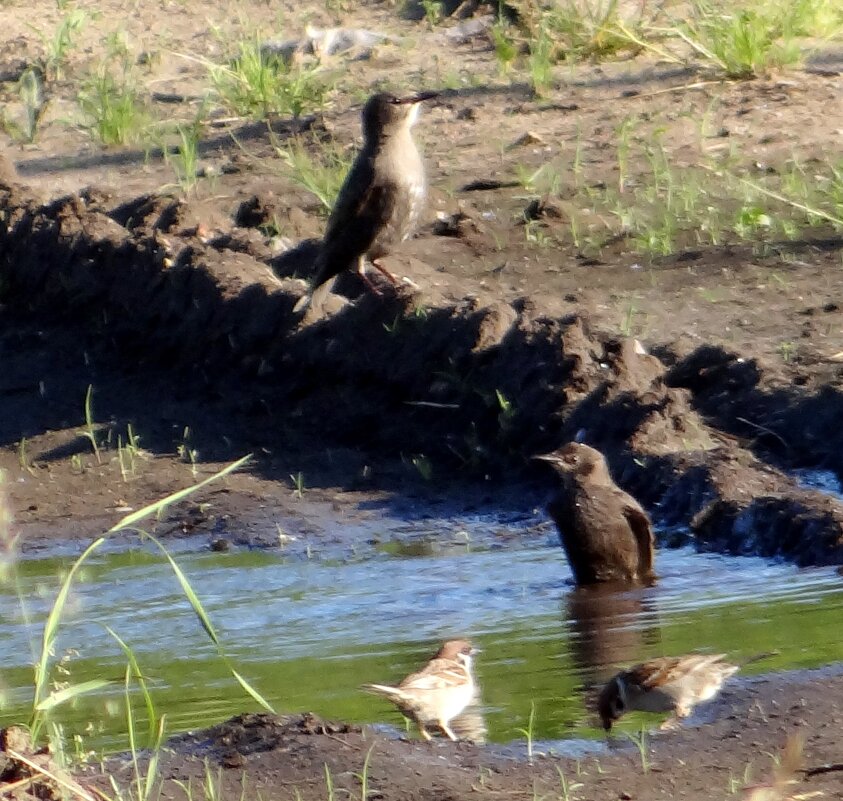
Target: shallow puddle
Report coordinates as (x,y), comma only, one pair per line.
(307,627)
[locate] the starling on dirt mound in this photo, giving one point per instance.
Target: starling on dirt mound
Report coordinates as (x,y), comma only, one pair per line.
(381,199)
(605,533)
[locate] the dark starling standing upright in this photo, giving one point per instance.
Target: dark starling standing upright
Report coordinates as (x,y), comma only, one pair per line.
(381,198)
(605,533)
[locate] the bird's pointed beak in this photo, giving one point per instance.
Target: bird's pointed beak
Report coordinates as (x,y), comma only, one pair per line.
(418,97)
(547,457)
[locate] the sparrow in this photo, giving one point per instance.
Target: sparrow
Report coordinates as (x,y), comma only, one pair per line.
(438,692)
(606,534)
(668,684)
(381,199)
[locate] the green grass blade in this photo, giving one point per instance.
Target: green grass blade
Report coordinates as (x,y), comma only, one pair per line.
(152,767)
(50,630)
(154,508)
(251,690)
(68,693)
(200,613)
(139,678)
(130,728)
(187,589)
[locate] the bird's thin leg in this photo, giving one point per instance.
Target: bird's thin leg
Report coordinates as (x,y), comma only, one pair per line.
(361,271)
(383,271)
(424,732)
(447,729)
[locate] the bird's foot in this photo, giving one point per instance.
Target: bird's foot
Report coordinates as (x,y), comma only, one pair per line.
(447,730)
(383,271)
(367,282)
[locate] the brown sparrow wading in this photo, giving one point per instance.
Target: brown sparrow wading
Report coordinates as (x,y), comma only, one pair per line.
(669,684)
(605,533)
(381,199)
(438,692)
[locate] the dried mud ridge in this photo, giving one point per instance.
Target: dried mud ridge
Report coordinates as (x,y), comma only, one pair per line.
(477,386)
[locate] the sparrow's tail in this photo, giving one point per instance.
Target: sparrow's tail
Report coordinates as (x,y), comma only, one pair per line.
(393,693)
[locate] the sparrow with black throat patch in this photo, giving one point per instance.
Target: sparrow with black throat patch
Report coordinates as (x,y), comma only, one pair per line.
(436,694)
(380,201)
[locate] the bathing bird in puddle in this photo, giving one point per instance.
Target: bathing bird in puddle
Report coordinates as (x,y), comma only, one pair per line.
(669,684)
(606,534)
(437,693)
(380,201)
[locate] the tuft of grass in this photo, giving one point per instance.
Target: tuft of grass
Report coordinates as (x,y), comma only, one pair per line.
(641,743)
(590,29)
(30,90)
(567,787)
(321,174)
(59,45)
(748,39)
(433,12)
(187,453)
(128,453)
(506,50)
(184,159)
(90,432)
(112,108)
(540,61)
(46,699)
(528,731)
(256,84)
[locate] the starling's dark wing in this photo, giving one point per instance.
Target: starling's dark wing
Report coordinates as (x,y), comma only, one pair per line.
(364,205)
(641,529)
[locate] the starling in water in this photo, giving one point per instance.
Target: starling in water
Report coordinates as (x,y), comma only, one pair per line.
(381,199)
(604,531)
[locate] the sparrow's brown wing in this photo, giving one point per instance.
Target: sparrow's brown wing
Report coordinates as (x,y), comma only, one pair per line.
(438,674)
(668,669)
(656,672)
(363,207)
(641,529)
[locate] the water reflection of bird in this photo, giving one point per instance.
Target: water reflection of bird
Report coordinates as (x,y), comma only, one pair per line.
(667,684)
(382,197)
(607,623)
(437,693)
(605,533)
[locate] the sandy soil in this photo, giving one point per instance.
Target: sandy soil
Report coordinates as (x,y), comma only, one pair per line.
(705,375)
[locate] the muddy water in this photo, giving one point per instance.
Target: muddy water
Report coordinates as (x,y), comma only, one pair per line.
(307,626)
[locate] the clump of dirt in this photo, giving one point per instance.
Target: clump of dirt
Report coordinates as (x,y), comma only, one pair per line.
(27,773)
(475,387)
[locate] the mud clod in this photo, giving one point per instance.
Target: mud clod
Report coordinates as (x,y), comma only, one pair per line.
(477,386)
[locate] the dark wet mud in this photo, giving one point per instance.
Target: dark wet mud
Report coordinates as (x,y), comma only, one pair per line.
(455,392)
(738,750)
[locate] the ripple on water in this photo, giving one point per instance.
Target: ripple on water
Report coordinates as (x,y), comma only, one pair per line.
(308,632)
